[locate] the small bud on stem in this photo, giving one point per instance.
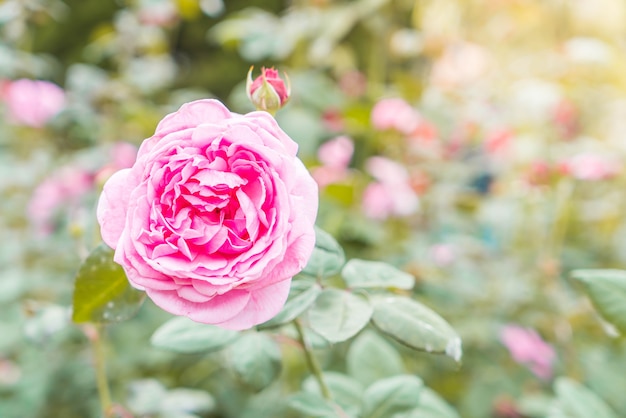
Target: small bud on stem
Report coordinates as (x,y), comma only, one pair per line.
(268,91)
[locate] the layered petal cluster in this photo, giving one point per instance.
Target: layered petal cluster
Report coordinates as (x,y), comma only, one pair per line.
(215,217)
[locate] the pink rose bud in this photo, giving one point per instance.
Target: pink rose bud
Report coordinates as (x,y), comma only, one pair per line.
(32,102)
(268,91)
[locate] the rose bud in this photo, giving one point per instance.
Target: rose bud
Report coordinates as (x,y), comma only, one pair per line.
(268,91)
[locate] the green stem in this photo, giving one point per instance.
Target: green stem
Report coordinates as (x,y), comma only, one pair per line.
(101,374)
(312,361)
(564,194)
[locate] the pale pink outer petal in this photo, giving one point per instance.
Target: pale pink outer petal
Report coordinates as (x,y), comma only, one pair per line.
(304,205)
(215,311)
(264,304)
(193,114)
(112,206)
(272,134)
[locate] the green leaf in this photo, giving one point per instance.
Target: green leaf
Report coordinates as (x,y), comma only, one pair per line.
(149,397)
(313,405)
(413,324)
(431,405)
(576,401)
(327,258)
(338,315)
(371,358)
(183,335)
(256,359)
(607,291)
(391,395)
(182,401)
(345,391)
(375,274)
(102,293)
(298,302)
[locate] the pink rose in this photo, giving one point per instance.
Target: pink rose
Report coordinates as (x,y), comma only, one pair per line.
(215,217)
(527,347)
(395,114)
(32,102)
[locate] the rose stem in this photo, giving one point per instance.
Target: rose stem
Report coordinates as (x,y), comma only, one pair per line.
(101,373)
(312,361)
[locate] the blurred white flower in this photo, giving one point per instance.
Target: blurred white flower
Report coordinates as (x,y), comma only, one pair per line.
(587,50)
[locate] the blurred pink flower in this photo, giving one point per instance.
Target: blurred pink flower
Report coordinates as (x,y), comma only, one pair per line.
(498,142)
(538,173)
(64,187)
(566,117)
(333,120)
(395,114)
(386,171)
(424,141)
(122,155)
(462,63)
(32,102)
(353,83)
(443,254)
(335,156)
(391,194)
(591,167)
(158,13)
(324,175)
(337,152)
(528,348)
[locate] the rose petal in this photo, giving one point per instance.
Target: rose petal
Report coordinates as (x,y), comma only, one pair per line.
(263,305)
(214,311)
(112,206)
(193,114)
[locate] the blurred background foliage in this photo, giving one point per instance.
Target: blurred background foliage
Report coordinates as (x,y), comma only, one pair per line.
(516,159)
